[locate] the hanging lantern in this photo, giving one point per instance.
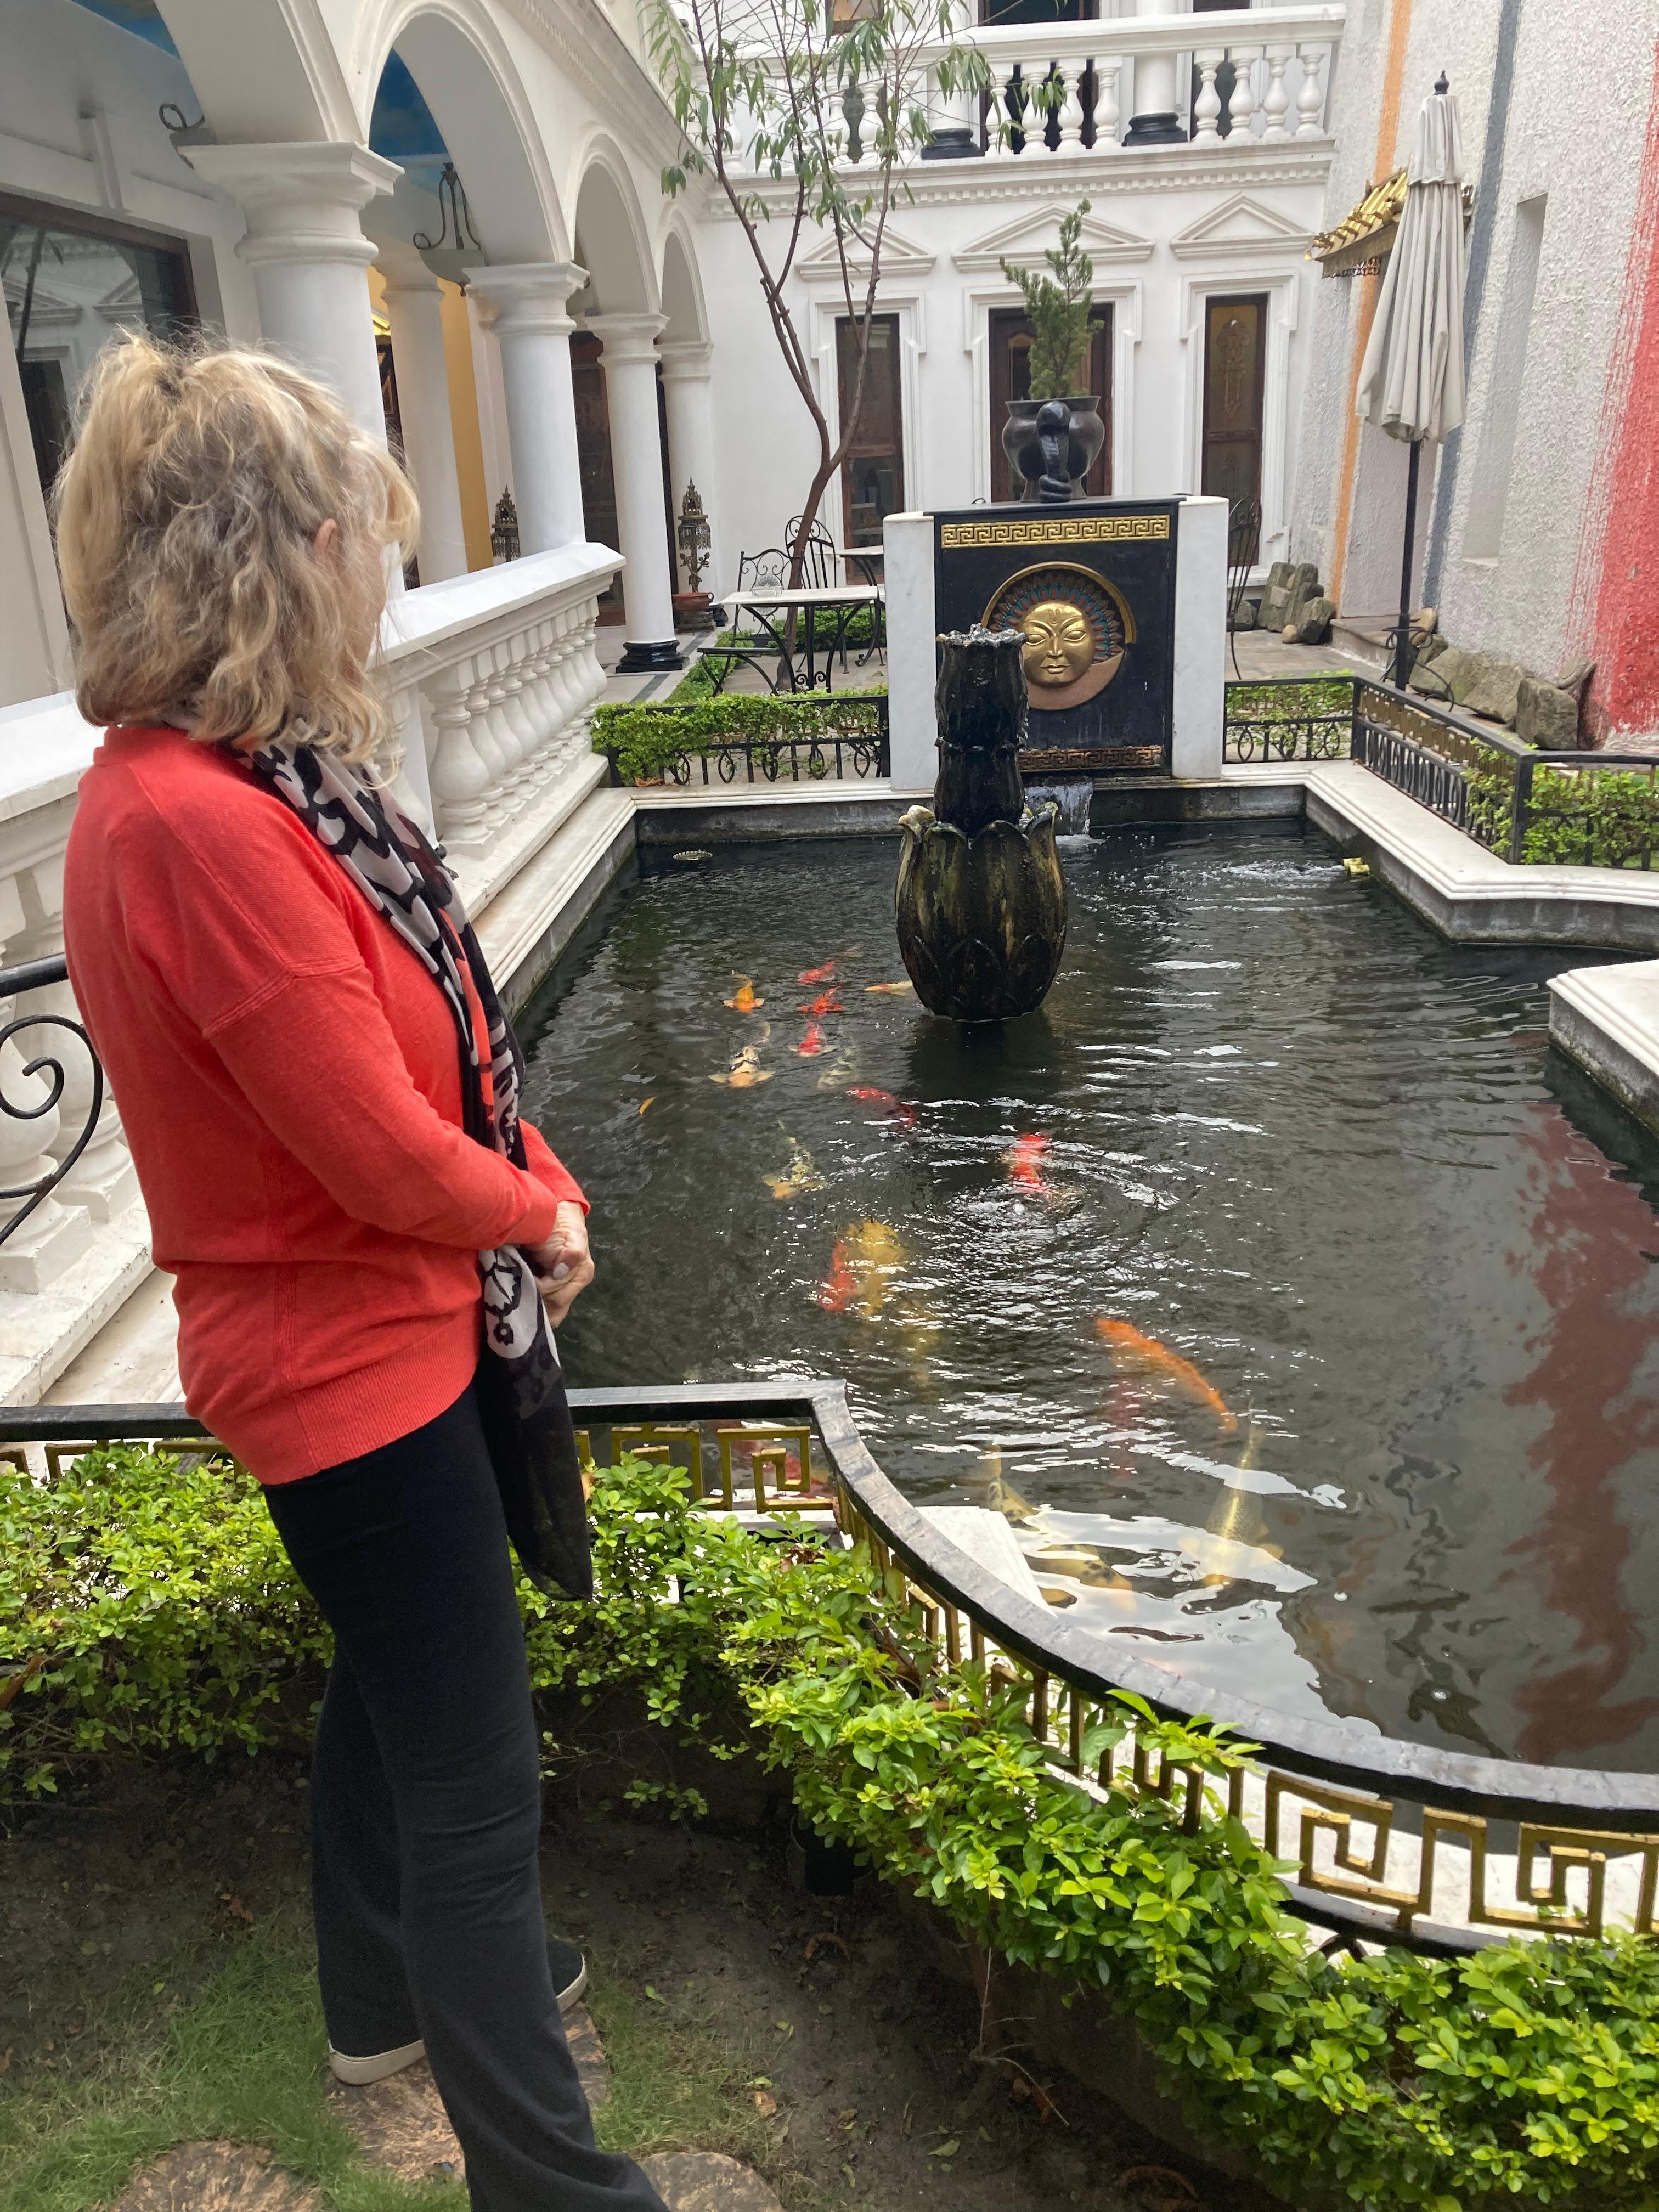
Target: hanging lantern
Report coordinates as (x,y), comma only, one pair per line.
(504,531)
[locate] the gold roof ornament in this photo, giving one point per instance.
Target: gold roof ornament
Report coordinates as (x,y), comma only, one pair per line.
(1361,242)
(1362,239)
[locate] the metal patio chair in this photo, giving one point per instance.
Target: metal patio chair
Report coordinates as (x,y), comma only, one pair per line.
(1243,546)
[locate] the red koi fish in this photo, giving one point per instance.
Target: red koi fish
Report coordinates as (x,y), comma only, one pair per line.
(827,1002)
(1025,1158)
(840,1286)
(812,1043)
(894,1108)
(1145,1352)
(818,974)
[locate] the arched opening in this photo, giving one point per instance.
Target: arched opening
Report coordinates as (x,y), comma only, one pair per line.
(610,245)
(475,189)
(681,292)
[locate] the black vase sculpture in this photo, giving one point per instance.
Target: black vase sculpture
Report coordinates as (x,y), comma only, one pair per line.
(980,901)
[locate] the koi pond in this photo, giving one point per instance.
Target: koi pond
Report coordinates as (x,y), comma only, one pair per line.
(1297,1304)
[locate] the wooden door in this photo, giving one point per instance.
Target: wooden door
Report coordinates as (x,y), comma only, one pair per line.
(872,474)
(593,445)
(1010,378)
(1235,370)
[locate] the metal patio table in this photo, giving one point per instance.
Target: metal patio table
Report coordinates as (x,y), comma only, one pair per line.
(769,608)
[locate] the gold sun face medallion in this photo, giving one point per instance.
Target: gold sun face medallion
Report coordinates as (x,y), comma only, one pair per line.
(1060,644)
(1077,629)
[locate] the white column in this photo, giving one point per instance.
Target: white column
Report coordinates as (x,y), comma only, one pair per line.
(308,255)
(912,662)
(524,303)
(1198,695)
(686,364)
(1156,120)
(414,311)
(629,360)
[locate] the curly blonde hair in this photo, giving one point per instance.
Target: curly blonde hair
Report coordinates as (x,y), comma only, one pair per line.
(188,515)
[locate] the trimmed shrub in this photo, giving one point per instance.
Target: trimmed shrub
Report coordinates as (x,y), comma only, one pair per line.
(644,741)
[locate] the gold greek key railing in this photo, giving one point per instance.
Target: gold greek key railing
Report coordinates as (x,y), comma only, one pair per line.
(1384,1841)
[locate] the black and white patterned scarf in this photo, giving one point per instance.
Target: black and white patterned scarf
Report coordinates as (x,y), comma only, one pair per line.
(521,1388)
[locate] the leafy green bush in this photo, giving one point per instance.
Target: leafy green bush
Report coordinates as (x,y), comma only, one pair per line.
(1527,2075)
(643,741)
(145,1605)
(1604,817)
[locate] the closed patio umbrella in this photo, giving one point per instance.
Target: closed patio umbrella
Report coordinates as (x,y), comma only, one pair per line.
(1410,381)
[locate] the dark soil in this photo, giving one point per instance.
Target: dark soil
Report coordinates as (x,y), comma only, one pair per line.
(830,2006)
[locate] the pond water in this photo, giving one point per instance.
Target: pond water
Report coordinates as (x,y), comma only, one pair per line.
(1297,1301)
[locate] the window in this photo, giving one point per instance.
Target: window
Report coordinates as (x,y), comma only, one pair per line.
(1039,11)
(72,282)
(1500,419)
(1010,378)
(872,474)
(1234,363)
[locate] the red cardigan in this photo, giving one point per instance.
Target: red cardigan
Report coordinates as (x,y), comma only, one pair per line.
(288,1075)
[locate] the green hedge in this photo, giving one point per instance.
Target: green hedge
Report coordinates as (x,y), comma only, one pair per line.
(645,740)
(1605,817)
(147,1605)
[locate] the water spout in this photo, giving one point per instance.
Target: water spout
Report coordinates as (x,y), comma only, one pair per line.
(1071,801)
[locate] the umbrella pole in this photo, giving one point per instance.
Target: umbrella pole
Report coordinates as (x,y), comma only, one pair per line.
(1402,651)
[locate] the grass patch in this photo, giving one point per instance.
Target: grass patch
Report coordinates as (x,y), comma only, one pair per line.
(238,2057)
(675,2084)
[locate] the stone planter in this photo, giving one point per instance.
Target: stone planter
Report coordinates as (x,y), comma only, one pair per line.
(1019,441)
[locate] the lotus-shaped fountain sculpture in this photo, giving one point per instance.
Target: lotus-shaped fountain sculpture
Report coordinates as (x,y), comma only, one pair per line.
(980,901)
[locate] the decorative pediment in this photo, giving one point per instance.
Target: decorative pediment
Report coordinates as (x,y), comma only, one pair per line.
(124,302)
(1238,227)
(1029,237)
(900,257)
(47,308)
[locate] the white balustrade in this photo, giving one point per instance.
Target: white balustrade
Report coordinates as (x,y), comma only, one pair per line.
(503,665)
(1058,88)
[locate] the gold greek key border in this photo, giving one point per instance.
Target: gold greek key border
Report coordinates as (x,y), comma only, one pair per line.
(1057,529)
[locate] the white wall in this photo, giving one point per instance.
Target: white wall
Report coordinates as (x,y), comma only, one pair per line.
(1574,130)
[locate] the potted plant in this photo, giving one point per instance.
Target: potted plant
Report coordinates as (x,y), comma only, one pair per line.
(1058,308)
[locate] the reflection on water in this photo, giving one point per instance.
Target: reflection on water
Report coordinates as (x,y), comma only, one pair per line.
(1293,1300)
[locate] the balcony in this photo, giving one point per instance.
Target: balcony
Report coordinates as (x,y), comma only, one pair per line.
(1144,86)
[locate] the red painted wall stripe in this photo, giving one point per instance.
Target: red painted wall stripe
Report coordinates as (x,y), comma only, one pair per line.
(1616,596)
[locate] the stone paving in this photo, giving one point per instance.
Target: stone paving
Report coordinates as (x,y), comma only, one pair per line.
(404,2130)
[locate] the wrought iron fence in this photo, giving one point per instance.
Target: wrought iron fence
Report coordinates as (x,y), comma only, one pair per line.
(1389,1841)
(843,740)
(1311,718)
(1591,810)
(35,1090)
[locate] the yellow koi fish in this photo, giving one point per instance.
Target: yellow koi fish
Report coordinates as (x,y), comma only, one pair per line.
(798,1173)
(743,999)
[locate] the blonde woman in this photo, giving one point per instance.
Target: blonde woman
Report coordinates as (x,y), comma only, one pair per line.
(267,965)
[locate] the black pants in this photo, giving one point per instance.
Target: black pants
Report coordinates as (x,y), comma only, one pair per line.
(427,1812)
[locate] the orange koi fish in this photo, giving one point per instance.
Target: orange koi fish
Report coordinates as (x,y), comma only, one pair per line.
(1130,1343)
(818,974)
(812,1043)
(894,1108)
(1024,1160)
(743,999)
(873,989)
(827,1002)
(840,1286)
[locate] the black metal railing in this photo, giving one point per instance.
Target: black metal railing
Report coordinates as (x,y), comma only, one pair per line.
(1389,1841)
(1308,719)
(1590,810)
(45,1066)
(845,741)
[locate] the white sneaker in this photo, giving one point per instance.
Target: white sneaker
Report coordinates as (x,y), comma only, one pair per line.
(569,1970)
(358,2073)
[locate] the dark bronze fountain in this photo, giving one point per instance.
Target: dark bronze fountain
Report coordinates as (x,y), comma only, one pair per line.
(980,901)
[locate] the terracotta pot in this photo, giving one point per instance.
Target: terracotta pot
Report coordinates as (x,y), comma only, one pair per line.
(1019,441)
